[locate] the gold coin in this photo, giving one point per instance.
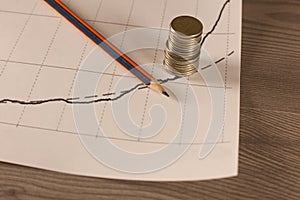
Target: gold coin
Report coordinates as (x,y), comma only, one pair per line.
(187,25)
(183,46)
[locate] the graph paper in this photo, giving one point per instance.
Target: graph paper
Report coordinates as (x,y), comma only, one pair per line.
(66,106)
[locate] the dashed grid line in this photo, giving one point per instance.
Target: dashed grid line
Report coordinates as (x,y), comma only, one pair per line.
(107,137)
(181,131)
(128,25)
(103,73)
(152,71)
(77,70)
(19,37)
(184,113)
(226,70)
(40,68)
(115,67)
(104,22)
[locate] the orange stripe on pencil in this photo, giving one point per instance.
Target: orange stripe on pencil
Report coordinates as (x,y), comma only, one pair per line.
(108,47)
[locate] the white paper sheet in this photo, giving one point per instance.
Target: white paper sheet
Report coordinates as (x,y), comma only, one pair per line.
(47,67)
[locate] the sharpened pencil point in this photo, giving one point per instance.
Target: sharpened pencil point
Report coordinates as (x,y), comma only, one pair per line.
(154,85)
(166,94)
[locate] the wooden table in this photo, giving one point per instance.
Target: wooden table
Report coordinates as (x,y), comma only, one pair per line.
(269,166)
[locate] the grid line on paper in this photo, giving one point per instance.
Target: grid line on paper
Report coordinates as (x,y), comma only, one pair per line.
(185,98)
(106,137)
(100,73)
(115,67)
(179,83)
(226,70)
(184,112)
(77,70)
(40,69)
(19,37)
(152,71)
(59,122)
(105,22)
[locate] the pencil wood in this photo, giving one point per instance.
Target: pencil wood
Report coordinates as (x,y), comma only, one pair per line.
(154,85)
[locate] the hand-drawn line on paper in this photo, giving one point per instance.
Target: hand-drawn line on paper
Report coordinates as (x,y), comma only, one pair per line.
(218,61)
(216,23)
(76,100)
(122,93)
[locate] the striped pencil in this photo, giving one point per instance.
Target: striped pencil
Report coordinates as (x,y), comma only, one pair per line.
(108,47)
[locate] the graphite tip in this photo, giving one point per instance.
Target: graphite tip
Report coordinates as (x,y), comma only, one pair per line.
(166,94)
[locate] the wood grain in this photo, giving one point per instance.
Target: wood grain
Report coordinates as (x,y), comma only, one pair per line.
(271,55)
(270,128)
(269,169)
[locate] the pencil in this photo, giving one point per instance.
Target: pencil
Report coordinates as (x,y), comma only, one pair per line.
(108,47)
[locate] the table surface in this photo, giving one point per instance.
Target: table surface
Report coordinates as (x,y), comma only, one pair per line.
(269,162)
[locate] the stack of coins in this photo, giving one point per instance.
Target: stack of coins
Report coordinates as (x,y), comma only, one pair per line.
(183,46)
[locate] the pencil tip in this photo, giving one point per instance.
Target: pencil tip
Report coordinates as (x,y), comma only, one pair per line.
(166,94)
